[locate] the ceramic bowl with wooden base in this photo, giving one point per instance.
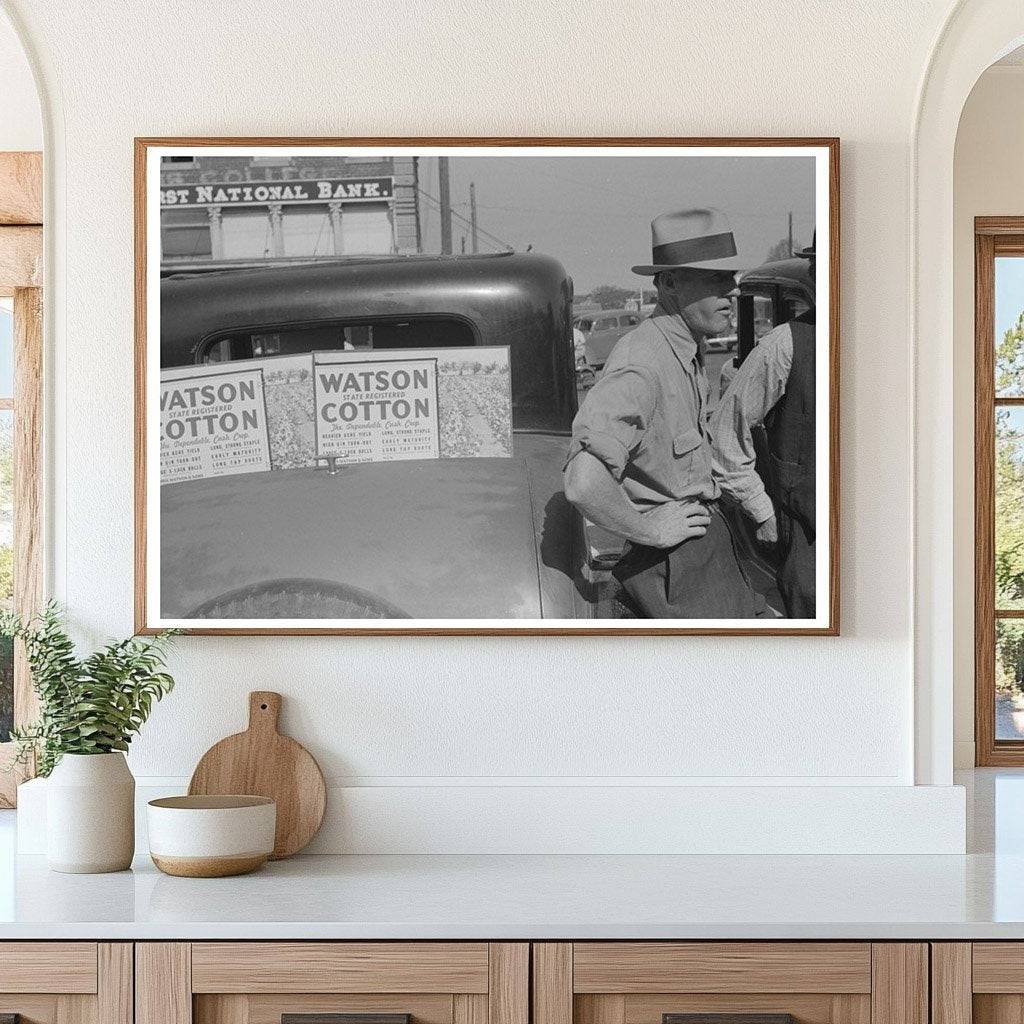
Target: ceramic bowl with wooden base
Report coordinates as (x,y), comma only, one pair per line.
(211,836)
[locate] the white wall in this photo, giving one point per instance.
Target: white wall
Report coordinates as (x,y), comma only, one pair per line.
(21,125)
(444,713)
(988,181)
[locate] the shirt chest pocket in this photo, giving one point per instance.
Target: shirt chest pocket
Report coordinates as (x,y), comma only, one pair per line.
(690,456)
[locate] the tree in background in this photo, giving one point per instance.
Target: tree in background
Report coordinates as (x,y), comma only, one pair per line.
(609,296)
(1009,510)
(780,250)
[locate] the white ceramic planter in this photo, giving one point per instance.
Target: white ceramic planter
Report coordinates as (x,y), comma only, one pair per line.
(90,814)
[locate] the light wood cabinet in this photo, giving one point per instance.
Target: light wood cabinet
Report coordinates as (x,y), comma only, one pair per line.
(66,982)
(977,983)
(649,982)
(260,982)
(496,983)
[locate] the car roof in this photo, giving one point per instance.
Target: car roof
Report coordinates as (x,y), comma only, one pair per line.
(198,304)
(521,300)
(795,270)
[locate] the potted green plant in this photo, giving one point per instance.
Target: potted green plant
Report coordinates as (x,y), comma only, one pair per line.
(89,710)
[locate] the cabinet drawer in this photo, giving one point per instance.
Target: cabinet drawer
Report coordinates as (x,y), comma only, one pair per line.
(48,967)
(635,967)
(261,982)
(340,967)
(66,982)
(732,982)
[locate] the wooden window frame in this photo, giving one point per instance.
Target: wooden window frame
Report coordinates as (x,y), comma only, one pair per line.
(21,263)
(993,237)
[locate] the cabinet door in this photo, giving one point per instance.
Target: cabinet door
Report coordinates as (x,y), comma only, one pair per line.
(736,982)
(332,983)
(66,982)
(980,982)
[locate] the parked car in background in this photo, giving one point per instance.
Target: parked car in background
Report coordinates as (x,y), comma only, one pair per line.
(483,537)
(602,330)
(720,343)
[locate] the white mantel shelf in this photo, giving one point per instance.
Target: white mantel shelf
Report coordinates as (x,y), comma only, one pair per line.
(531,897)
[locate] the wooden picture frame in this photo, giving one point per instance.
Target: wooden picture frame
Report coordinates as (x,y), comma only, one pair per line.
(149,619)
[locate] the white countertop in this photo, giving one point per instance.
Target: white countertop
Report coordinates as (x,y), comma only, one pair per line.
(978,896)
(532,897)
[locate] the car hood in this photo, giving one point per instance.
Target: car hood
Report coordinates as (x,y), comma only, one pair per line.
(450,538)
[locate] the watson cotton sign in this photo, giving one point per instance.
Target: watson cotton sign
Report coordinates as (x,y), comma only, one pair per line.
(330,409)
(212,424)
(375,410)
(258,193)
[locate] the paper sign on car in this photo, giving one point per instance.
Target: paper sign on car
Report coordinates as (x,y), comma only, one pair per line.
(371,409)
(387,405)
(213,422)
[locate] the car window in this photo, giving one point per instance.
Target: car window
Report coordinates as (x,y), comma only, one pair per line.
(584,323)
(628,321)
(296,340)
(794,303)
(605,324)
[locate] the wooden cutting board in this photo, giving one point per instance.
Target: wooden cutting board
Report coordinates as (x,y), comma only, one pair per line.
(262,762)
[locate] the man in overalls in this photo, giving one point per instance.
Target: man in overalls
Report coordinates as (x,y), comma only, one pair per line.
(639,463)
(776,386)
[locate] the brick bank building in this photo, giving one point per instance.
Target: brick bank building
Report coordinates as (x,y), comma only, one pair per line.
(251,207)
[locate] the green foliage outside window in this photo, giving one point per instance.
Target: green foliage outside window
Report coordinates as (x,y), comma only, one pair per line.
(1009,509)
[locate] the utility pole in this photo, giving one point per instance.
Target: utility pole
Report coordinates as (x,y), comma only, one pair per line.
(445,189)
(790,232)
(474,244)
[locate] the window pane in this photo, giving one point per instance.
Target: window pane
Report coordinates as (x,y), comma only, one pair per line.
(6,348)
(1009,512)
(6,567)
(1009,323)
(1009,679)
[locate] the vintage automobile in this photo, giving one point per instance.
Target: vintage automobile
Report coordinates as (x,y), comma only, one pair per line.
(602,330)
(434,538)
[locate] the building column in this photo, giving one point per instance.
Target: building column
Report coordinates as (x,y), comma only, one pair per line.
(216,232)
(276,229)
(334,210)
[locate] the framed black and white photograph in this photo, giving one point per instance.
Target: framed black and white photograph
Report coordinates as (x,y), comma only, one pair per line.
(487,386)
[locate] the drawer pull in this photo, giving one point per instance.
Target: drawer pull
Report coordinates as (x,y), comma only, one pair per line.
(728,1018)
(340,1018)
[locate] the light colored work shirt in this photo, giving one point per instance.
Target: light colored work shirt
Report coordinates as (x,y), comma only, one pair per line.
(646,417)
(759,383)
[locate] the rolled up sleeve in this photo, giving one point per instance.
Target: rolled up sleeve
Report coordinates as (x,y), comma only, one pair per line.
(614,417)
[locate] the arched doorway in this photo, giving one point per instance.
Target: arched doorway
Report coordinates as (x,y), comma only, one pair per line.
(976,33)
(21,144)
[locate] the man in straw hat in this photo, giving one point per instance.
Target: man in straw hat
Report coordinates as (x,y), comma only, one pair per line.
(639,463)
(775,386)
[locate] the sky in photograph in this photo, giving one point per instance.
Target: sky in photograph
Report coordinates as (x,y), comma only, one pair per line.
(1009,293)
(594,213)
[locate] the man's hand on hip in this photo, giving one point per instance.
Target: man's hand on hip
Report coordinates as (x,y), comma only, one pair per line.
(672,523)
(768,531)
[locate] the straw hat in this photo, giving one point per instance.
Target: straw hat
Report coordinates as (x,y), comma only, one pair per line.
(692,238)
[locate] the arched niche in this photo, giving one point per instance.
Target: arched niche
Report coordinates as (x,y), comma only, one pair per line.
(974,36)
